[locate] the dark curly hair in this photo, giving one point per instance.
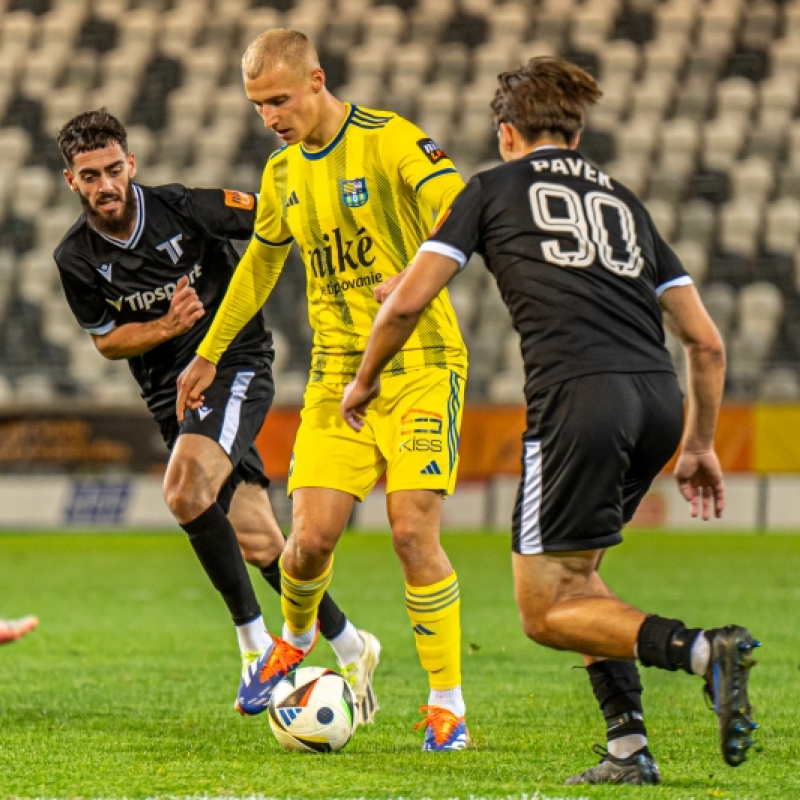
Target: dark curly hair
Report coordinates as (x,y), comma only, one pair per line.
(545,97)
(92,130)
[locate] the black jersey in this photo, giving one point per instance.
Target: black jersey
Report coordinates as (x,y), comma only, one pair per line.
(178,231)
(578,262)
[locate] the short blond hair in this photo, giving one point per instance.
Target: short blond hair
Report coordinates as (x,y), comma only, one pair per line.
(278,46)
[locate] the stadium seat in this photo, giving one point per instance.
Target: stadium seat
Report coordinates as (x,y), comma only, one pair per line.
(664,215)
(720,301)
(694,257)
(768,138)
(759,25)
(752,179)
(630,171)
(736,96)
(203,67)
(782,230)
(639,138)
(428,21)
(384,27)
(508,23)
(693,97)
(17,32)
(257,20)
(452,64)
(675,19)
(739,226)
(619,62)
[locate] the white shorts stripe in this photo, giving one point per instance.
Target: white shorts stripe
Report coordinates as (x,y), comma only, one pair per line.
(233,411)
(530,533)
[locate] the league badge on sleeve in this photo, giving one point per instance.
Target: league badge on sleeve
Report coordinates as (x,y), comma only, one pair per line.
(241,200)
(432,150)
(354,192)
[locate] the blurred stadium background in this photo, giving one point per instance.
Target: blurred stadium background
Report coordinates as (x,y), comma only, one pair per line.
(701,117)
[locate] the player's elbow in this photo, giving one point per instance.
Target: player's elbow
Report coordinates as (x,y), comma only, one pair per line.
(708,351)
(106,348)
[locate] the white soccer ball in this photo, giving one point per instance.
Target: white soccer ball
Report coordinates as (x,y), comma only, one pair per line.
(313,709)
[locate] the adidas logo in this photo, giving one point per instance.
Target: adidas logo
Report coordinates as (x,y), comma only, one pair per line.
(292,201)
(431,469)
(288,715)
(203,412)
(423,631)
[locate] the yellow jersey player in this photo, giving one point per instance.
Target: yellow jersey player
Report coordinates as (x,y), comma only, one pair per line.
(358,190)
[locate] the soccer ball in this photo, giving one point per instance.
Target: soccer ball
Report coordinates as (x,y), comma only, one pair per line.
(312,709)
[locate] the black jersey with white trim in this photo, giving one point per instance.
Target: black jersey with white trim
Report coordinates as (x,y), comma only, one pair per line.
(577,260)
(178,231)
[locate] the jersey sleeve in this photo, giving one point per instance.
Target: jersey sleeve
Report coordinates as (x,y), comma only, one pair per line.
(458,233)
(422,164)
(669,270)
(223,212)
(89,308)
(255,276)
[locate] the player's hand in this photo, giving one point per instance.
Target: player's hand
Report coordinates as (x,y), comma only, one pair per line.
(185,308)
(357,396)
(700,481)
(382,291)
(192,382)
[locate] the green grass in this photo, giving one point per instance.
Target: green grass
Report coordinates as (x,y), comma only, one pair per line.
(126,689)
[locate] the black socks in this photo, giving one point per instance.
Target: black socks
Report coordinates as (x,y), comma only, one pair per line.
(214,541)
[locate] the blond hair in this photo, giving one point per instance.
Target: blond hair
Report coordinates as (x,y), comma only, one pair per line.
(278,46)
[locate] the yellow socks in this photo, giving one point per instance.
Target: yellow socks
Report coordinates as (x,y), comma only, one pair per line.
(435,613)
(300,599)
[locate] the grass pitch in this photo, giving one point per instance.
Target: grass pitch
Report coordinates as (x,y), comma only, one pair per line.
(126,689)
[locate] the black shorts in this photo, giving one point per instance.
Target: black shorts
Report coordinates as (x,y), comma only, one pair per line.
(235,407)
(591,450)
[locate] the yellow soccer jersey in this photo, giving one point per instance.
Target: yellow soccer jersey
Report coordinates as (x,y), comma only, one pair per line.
(358,210)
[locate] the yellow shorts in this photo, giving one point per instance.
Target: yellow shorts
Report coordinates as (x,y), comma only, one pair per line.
(411,434)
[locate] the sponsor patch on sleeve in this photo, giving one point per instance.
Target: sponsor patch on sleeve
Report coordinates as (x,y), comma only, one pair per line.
(241,200)
(432,150)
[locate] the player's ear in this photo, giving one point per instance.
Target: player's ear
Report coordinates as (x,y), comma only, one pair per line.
(317,79)
(505,139)
(131,165)
(70,179)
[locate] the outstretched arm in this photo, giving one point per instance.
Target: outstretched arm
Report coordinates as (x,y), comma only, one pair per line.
(428,274)
(249,289)
(698,471)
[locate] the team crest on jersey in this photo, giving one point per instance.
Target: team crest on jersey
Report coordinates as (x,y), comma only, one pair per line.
(354,192)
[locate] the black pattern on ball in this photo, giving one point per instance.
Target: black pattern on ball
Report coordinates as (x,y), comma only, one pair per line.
(325,715)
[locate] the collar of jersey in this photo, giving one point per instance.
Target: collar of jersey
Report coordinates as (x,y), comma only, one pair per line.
(138,225)
(315,154)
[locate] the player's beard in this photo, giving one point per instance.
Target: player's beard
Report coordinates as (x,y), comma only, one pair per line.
(120,223)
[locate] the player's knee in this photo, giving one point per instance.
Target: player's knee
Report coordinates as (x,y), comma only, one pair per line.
(535,626)
(187,500)
(308,552)
(413,546)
